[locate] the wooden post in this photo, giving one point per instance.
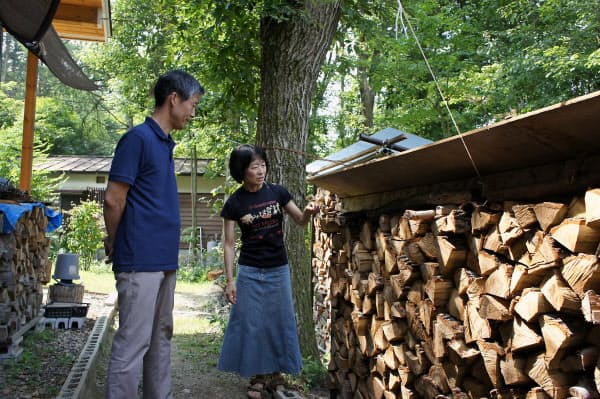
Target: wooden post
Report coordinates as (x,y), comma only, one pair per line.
(28,122)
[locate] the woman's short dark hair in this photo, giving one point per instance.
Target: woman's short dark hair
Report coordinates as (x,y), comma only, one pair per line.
(176,81)
(242,156)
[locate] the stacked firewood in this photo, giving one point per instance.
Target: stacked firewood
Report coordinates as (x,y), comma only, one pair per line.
(471,301)
(326,229)
(24,268)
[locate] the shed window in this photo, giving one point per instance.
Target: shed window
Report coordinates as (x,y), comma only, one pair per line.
(100,179)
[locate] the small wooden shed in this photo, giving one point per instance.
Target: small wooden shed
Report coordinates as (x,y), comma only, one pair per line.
(85,177)
(467,267)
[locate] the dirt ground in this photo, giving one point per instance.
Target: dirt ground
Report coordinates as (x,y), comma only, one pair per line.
(195,352)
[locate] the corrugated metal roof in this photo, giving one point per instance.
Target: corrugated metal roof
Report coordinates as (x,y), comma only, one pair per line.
(556,133)
(99,164)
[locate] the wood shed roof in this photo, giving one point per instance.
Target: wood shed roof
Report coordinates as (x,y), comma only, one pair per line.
(99,164)
(83,20)
(560,132)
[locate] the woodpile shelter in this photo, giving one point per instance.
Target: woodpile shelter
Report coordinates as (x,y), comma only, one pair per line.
(466,268)
(24,268)
(86,177)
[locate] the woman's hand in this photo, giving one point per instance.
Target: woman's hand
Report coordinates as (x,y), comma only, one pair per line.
(231,292)
(311,208)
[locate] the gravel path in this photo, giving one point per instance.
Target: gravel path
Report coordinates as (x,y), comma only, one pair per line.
(194,355)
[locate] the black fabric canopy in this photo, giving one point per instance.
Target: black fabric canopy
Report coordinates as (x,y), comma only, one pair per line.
(30,22)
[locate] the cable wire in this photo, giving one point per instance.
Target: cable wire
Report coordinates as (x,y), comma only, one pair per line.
(435,80)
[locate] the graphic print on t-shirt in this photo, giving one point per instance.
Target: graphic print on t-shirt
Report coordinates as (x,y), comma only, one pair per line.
(262,216)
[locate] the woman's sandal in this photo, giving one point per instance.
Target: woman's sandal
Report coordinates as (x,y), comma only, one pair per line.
(256,388)
(277,383)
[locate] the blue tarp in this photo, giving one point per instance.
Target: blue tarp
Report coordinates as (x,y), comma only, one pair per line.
(13,212)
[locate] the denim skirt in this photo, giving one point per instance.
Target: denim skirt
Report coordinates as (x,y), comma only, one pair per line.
(261,336)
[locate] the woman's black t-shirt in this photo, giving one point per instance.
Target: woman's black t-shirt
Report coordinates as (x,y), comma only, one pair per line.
(260,217)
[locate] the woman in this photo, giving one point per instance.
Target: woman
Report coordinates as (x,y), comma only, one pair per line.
(261,339)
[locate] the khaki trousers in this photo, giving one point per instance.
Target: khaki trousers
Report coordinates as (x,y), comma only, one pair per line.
(143,339)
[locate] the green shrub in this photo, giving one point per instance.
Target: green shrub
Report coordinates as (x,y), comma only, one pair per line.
(84,232)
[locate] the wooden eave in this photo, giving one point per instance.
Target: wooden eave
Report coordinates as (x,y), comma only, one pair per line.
(83,20)
(550,150)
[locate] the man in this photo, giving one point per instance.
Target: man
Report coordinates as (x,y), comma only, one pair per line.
(141,213)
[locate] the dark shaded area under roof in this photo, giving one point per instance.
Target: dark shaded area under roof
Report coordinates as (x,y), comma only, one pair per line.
(566,131)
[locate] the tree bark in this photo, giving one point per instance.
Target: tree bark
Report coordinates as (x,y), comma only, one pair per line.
(293,50)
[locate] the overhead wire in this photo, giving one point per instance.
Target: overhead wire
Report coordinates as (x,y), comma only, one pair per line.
(437,85)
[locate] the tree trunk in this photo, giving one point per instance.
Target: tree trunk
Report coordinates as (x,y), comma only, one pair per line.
(293,50)
(367,94)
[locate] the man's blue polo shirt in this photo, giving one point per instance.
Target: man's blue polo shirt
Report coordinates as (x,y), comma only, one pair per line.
(147,238)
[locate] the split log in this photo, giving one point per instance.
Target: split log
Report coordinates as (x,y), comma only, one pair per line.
(425,215)
(582,273)
(488,262)
(456,305)
(455,373)
(590,306)
(438,290)
(417,361)
(513,370)
(456,222)
(362,259)
(498,283)
(559,335)
(524,337)
(537,393)
(592,207)
(366,236)
(493,241)
(439,379)
(381,240)
(463,279)
(476,327)
(377,387)
(531,304)
(461,354)
(576,236)
(404,231)
(584,390)
(493,308)
(426,388)
(452,255)
(393,380)
(491,352)
(584,359)
(597,375)
(475,389)
(546,255)
(375,283)
(390,262)
(554,383)
(560,295)
(525,215)
(429,270)
(509,229)
(549,214)
(394,331)
(524,277)
(390,360)
(481,220)
(429,246)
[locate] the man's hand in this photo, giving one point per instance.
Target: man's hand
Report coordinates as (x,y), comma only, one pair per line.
(108,249)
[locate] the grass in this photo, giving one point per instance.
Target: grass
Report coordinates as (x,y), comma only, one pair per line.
(102,280)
